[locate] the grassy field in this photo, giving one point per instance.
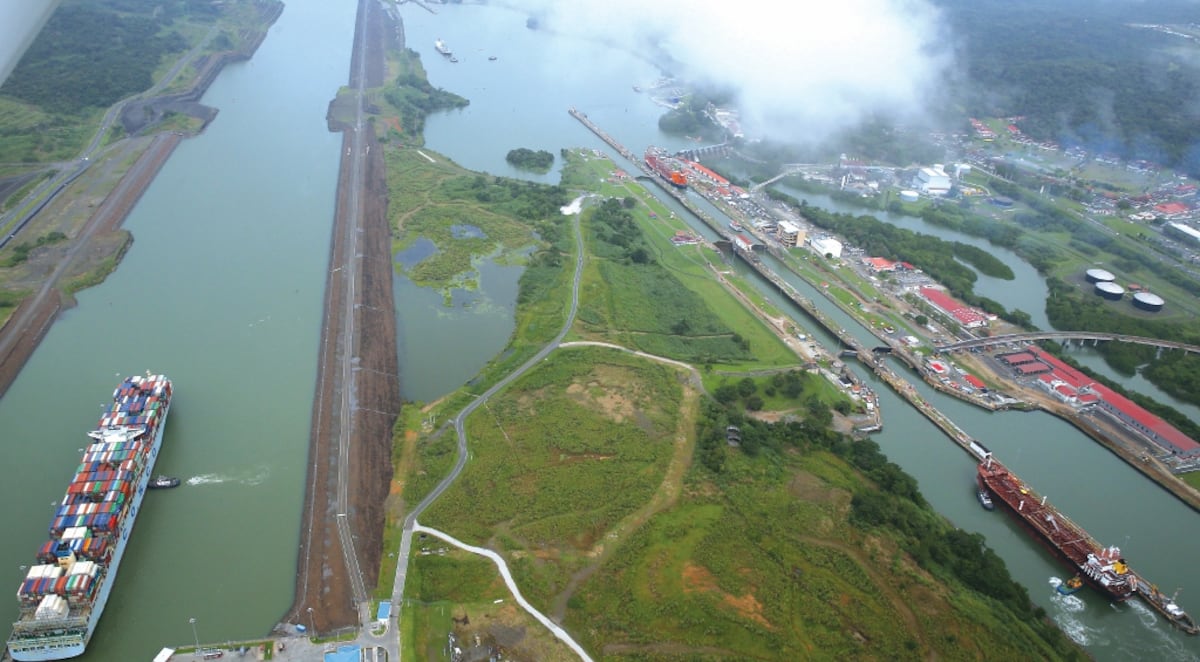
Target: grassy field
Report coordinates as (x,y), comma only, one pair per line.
(763,565)
(559,459)
(457,592)
(581,472)
(673,306)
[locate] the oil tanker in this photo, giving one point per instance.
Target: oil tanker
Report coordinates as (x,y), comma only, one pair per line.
(666,167)
(1102,567)
(64,592)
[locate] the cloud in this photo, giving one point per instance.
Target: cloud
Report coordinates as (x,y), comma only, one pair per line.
(802,70)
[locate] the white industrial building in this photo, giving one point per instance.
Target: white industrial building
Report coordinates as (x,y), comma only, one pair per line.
(932,180)
(789,234)
(826,246)
(1185,232)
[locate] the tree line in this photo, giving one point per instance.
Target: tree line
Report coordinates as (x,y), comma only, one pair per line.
(93,54)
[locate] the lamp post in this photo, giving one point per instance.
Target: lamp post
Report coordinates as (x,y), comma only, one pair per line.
(312,623)
(194,635)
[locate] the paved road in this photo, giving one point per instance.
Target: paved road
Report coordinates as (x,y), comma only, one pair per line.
(350,271)
(410,522)
(68,171)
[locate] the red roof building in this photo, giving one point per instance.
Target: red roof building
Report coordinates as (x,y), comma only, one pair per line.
(878,264)
(975,381)
(1017,358)
(969,317)
(1127,412)
(1171,209)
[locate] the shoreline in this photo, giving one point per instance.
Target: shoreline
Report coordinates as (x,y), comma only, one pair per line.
(25,328)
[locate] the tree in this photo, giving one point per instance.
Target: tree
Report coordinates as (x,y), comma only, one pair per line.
(921,320)
(746,387)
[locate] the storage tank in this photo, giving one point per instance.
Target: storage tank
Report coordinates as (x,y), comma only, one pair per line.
(1148,301)
(909,196)
(1110,291)
(1099,276)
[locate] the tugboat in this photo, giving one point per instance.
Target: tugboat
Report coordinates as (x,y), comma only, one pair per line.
(163,482)
(1070,586)
(985,499)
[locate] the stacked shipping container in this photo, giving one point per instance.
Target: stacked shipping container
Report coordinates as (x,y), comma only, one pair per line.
(87,525)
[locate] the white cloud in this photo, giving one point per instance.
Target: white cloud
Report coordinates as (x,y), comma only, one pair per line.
(802,69)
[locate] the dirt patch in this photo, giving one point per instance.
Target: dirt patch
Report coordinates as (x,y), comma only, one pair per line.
(697,578)
(748,607)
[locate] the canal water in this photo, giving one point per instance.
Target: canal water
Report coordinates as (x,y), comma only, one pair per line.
(222,291)
(524,105)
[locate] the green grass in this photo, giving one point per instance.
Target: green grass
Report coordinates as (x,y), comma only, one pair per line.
(673,307)
(765,566)
(560,457)
(1191,478)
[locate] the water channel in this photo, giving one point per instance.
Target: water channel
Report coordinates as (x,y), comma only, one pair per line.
(524,106)
(223,287)
(222,290)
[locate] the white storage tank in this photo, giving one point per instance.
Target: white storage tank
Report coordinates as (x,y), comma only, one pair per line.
(1148,301)
(1110,291)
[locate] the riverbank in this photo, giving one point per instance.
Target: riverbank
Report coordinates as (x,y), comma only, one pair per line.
(96,247)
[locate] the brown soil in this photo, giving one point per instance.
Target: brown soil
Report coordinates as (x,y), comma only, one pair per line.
(323,582)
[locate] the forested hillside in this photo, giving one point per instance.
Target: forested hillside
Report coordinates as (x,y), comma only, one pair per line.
(1080,72)
(91,54)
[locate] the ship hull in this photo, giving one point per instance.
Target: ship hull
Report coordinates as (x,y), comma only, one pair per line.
(1013,505)
(73,645)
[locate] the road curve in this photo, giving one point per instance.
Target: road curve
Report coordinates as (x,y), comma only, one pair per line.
(512,586)
(410,522)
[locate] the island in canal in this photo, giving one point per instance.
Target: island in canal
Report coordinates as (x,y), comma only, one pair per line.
(528,159)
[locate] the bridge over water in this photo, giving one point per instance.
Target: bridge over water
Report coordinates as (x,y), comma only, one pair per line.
(1066,336)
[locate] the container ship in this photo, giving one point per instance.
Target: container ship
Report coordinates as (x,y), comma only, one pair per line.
(1102,567)
(666,167)
(65,591)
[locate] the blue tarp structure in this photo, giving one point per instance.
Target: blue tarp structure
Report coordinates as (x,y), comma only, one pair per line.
(349,653)
(385,610)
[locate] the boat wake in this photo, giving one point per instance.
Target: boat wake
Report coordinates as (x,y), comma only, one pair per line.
(1066,612)
(249,477)
(1169,645)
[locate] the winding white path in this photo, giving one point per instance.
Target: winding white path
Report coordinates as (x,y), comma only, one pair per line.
(512,586)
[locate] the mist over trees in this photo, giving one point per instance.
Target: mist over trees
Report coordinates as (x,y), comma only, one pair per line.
(1080,73)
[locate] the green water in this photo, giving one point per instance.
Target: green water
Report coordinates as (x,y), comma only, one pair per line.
(221,291)
(524,105)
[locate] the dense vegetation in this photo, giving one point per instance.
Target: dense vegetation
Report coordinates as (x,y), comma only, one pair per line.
(414,98)
(1076,71)
(527,159)
(805,544)
(92,54)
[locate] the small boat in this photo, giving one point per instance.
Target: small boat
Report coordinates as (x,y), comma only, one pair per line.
(636,88)
(736,227)
(162,482)
(1070,586)
(492,58)
(985,499)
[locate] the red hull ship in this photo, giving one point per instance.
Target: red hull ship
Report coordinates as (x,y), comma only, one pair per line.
(664,165)
(1101,567)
